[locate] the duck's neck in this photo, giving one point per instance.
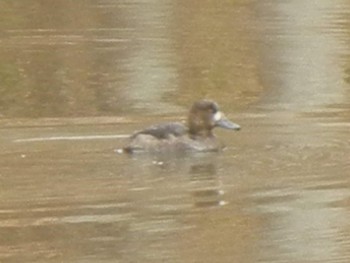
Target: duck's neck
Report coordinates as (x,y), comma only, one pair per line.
(197,128)
(200,134)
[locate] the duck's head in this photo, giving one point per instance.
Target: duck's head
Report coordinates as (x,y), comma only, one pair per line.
(204,116)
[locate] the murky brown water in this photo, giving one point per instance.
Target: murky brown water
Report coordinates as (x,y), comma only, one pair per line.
(77,76)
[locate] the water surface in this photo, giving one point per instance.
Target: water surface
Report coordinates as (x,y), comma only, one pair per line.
(78,76)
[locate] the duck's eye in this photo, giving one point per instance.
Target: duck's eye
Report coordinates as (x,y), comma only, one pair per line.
(212,111)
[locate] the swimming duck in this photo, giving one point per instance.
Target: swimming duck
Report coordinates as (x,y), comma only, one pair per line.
(196,136)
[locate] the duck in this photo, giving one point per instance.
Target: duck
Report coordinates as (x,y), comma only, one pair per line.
(194,136)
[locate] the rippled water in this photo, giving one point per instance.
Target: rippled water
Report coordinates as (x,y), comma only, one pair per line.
(78,76)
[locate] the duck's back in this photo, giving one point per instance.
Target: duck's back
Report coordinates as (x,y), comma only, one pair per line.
(157,138)
(163,130)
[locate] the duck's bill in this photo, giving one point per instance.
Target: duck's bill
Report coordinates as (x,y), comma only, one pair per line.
(227,124)
(223,122)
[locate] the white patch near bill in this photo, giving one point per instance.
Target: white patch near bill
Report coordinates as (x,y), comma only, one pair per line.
(217,116)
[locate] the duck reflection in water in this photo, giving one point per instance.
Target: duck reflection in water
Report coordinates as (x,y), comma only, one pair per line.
(196,136)
(206,184)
